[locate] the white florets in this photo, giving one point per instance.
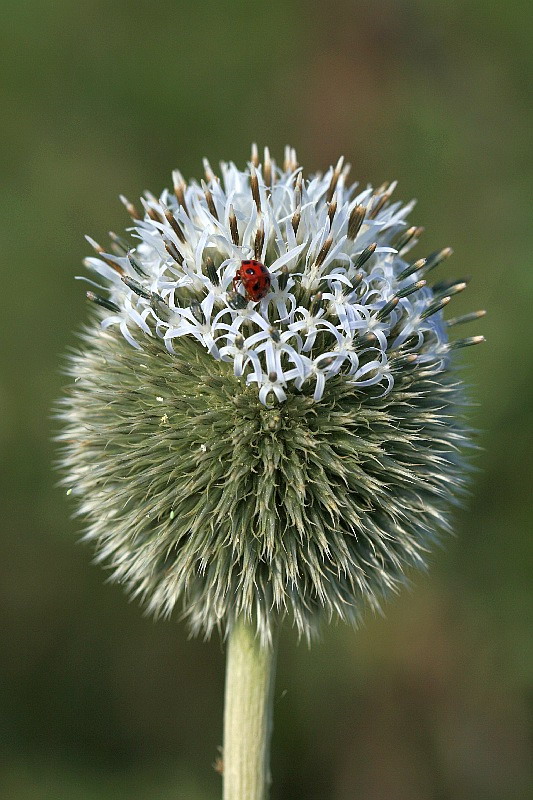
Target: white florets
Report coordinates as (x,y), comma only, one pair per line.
(332,306)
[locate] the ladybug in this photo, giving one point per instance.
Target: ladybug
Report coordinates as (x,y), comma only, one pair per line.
(255,278)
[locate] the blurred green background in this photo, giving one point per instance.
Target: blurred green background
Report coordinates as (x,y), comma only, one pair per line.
(434,701)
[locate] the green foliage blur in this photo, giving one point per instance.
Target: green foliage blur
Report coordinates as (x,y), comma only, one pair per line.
(434,701)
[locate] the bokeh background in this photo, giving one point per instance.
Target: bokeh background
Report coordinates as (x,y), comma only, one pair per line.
(432,702)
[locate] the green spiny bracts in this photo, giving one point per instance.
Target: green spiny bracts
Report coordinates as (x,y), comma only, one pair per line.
(197,494)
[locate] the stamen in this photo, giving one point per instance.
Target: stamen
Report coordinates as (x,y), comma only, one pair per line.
(102,301)
(298,191)
(466,318)
(450,283)
(385,197)
(355,221)
(413,287)
(450,288)
(404,237)
(434,307)
(101,252)
(346,171)
(137,288)
(387,308)
(259,239)
(363,257)
(435,258)
(173,252)
(179,190)
(233,226)
(416,266)
(332,209)
(295,221)
(324,250)
(255,155)
(292,163)
(366,338)
(136,265)
(254,183)
(160,307)
(152,213)
(267,168)
(174,224)
(470,340)
(130,208)
(356,282)
(334,179)
(121,245)
(209,174)
(212,273)
(209,200)
(380,189)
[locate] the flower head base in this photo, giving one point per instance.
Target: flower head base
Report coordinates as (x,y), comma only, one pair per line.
(285,455)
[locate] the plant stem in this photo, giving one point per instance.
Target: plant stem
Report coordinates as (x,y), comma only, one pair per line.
(250,673)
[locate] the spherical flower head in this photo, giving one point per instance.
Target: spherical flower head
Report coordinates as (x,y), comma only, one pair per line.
(265,419)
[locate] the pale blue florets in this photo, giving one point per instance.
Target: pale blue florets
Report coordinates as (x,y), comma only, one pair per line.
(343,299)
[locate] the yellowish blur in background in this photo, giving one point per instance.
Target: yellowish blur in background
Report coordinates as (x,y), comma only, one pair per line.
(434,701)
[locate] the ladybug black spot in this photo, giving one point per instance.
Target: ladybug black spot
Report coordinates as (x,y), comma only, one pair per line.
(250,272)
(256,286)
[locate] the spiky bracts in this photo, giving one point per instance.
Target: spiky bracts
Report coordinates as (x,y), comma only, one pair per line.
(287,457)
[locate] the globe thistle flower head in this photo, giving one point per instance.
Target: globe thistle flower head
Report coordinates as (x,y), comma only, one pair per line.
(265,419)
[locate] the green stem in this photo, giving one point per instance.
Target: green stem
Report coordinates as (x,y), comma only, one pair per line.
(249,694)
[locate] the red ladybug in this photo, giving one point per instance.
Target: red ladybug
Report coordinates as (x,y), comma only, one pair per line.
(255,278)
